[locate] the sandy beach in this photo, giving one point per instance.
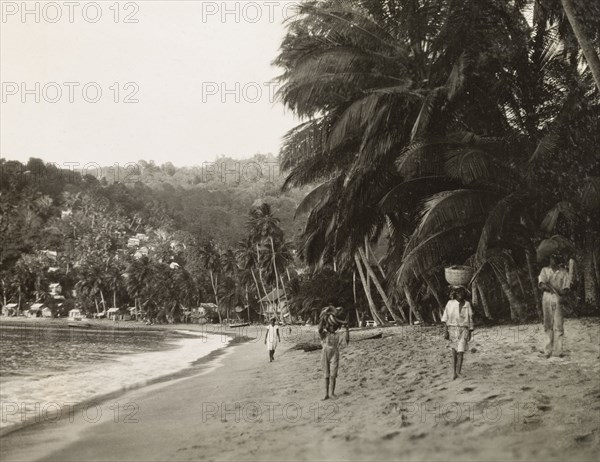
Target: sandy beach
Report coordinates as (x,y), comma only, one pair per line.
(396,401)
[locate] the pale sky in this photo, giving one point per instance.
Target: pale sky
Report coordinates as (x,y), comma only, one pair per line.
(178,57)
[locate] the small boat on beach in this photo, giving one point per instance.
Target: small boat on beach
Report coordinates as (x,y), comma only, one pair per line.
(233,326)
(80,325)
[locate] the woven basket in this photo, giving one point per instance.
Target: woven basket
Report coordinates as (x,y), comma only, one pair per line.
(459,275)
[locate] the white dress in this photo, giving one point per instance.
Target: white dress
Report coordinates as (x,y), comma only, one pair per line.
(272,337)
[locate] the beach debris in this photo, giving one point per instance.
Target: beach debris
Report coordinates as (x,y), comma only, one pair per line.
(307,347)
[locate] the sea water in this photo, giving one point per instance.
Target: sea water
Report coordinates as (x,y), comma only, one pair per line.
(51,367)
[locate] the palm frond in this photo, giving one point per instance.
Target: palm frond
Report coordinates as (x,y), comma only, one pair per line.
(564,209)
(313,198)
(450,208)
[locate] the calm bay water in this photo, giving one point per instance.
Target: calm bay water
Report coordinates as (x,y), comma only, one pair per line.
(43,364)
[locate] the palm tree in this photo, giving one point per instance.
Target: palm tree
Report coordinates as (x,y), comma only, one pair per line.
(211,257)
(114,278)
(578,22)
(231,271)
(410,106)
(267,235)
(91,282)
(249,262)
(139,276)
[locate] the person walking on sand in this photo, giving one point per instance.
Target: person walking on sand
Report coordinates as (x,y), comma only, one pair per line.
(458,316)
(331,340)
(555,281)
(271,339)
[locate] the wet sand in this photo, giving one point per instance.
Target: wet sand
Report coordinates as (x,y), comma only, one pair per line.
(396,401)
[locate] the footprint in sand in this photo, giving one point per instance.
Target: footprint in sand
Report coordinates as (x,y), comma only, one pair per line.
(390,436)
(525,388)
(468,389)
(544,408)
(585,438)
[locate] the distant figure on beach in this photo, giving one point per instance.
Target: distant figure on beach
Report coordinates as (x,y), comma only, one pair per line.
(555,281)
(271,339)
(331,340)
(458,316)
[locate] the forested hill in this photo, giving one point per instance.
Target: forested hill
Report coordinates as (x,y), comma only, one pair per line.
(210,201)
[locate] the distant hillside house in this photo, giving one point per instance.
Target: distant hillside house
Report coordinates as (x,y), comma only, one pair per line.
(117,315)
(113,313)
(35,310)
(49,253)
(135,312)
(75,313)
(133,242)
(9,309)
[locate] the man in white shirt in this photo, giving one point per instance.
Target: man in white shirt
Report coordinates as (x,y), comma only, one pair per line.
(555,282)
(458,316)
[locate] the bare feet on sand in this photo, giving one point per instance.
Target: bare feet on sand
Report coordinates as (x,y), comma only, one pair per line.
(326,398)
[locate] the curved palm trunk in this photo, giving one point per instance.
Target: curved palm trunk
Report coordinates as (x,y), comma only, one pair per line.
(596,267)
(276,278)
(103,302)
(247,302)
(213,282)
(258,292)
(589,279)
(372,306)
(376,261)
(483,298)
(373,276)
(513,302)
(413,306)
(286,298)
(358,319)
(589,52)
(435,293)
(262,282)
(534,286)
